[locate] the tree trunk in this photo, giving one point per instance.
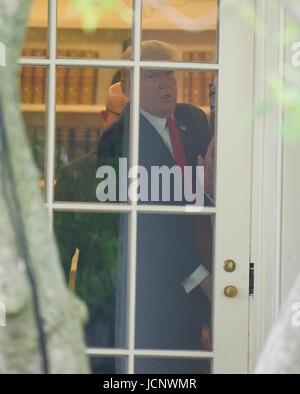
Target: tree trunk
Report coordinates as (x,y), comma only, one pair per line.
(40,319)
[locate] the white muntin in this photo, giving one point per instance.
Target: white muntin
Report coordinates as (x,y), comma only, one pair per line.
(138,189)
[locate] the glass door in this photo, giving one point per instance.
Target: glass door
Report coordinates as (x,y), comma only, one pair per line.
(144,150)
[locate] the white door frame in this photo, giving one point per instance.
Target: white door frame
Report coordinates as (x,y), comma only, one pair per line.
(265,246)
(232,230)
(265,251)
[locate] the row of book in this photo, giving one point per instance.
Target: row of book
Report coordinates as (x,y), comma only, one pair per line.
(74,85)
(33,79)
(70,143)
(196,84)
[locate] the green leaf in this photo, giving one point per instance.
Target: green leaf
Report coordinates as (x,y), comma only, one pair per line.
(91,10)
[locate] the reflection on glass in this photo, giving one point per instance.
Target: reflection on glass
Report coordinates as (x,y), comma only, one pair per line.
(177,129)
(88,244)
(33,96)
(75,85)
(190,25)
(106,41)
(173,290)
(173,251)
(199,89)
(184,366)
(177,122)
(35,43)
(107,365)
(88,101)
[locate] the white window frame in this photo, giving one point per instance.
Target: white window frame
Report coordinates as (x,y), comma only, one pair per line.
(266,215)
(132,209)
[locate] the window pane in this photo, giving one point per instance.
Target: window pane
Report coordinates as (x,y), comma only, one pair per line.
(107,365)
(188,97)
(172,250)
(198,88)
(88,244)
(190,25)
(33,80)
(108,38)
(177,134)
(88,101)
(182,366)
(173,290)
(35,44)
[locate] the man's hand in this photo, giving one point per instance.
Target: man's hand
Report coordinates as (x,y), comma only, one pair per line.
(209,167)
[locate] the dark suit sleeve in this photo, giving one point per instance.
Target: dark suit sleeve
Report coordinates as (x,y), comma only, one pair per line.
(106,146)
(111,143)
(111,148)
(206,138)
(200,119)
(62,185)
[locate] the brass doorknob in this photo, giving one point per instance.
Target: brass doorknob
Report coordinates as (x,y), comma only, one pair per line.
(229,265)
(230,291)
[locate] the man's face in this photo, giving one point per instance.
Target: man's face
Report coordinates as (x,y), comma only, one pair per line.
(158,92)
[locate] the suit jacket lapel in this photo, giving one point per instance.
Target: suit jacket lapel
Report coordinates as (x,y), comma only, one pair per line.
(152,148)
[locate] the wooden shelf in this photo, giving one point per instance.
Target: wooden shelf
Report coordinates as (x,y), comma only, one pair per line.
(89,109)
(75,108)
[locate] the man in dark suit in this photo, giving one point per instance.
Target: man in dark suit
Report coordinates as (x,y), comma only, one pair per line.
(173,251)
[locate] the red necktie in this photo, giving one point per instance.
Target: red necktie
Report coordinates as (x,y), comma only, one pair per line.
(203,227)
(177,147)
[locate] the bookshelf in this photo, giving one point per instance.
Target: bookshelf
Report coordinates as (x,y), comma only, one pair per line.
(107,42)
(78,123)
(78,109)
(88,109)
(77,118)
